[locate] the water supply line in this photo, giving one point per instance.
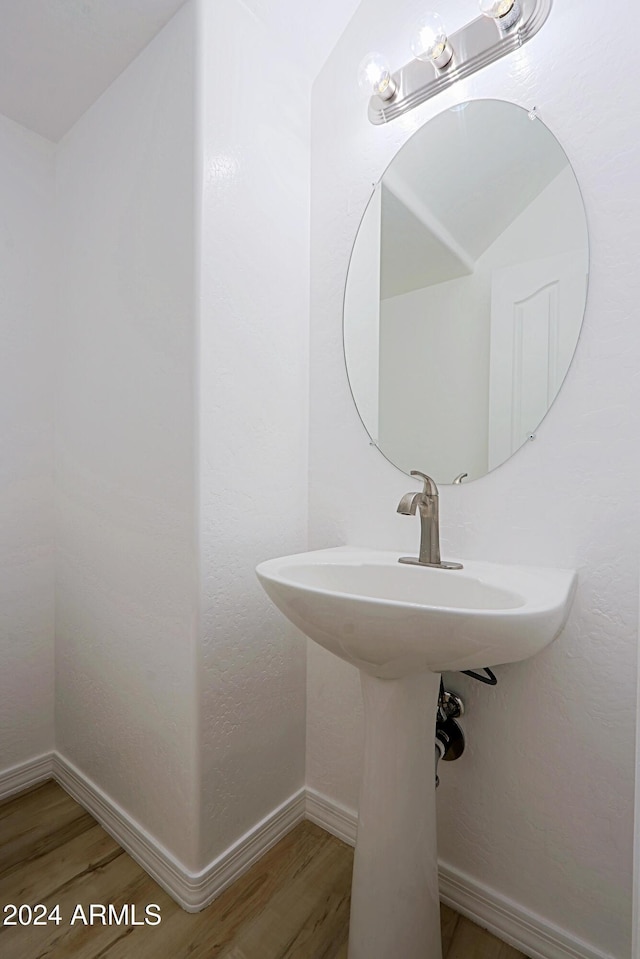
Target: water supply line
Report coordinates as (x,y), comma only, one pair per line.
(439,751)
(449,739)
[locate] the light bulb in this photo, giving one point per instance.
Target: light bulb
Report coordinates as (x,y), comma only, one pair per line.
(504,12)
(429,41)
(374,77)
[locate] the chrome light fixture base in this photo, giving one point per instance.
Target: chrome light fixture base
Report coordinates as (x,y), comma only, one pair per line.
(443,59)
(475,45)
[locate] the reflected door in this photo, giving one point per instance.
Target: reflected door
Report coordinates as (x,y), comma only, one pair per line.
(535,321)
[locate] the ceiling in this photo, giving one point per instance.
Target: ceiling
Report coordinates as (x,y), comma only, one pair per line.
(58,56)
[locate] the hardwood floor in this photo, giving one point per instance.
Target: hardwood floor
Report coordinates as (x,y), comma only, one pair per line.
(292,904)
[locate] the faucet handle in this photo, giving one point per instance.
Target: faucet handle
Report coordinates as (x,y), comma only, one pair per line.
(430,488)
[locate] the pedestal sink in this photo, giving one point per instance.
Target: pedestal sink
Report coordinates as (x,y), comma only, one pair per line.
(402,626)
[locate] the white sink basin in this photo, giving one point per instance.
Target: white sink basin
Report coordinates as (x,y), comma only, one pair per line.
(392,620)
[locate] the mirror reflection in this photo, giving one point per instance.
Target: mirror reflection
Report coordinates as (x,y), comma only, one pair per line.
(466,291)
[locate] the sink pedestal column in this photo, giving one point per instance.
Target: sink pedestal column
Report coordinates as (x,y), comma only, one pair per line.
(395,910)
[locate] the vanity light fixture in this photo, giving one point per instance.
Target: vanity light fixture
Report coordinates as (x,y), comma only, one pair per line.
(374,76)
(439,61)
(430,43)
(505,12)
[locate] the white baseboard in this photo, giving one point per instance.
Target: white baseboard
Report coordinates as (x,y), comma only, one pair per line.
(141,846)
(331,816)
(507,920)
(239,857)
(192,891)
(536,937)
(19,778)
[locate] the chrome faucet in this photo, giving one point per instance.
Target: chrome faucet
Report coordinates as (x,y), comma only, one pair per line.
(426,502)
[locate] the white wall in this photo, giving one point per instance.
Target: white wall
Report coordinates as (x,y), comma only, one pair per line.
(175,475)
(253,380)
(26,463)
(541,805)
(126,584)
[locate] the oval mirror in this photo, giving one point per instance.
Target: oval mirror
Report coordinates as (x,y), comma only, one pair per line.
(466,291)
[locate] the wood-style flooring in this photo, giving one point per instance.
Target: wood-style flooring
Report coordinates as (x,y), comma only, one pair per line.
(292,904)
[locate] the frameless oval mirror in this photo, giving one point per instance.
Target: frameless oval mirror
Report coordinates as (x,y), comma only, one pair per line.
(466,291)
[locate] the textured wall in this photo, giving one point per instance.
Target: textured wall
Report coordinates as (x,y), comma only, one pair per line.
(26,461)
(253,374)
(126,582)
(541,805)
